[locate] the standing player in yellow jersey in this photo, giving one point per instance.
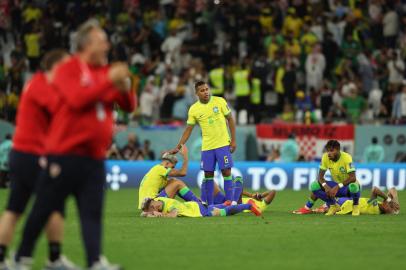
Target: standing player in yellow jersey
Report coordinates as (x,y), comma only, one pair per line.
(212,114)
(343,184)
(371,206)
(156,183)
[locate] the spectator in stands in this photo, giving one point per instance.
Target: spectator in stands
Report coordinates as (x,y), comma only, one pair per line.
(353,106)
(374,153)
(131,150)
(5,148)
(146,151)
(290,149)
(396,68)
(315,66)
(390,26)
(275,156)
(114,153)
(148,101)
(399,106)
(32,44)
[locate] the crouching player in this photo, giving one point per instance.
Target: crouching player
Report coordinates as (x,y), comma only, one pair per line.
(171,208)
(372,206)
(156,183)
(344,183)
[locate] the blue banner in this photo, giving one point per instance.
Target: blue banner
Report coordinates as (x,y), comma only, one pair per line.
(261,175)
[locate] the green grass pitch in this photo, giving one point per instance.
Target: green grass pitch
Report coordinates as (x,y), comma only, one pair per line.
(279,240)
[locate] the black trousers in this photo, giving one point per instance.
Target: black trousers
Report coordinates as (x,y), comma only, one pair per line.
(81,177)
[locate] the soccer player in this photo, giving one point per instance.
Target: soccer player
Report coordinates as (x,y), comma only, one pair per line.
(262,200)
(171,208)
(212,114)
(372,206)
(38,102)
(344,183)
(79,136)
(156,183)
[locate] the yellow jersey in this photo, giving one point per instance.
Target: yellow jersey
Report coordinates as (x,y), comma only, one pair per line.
(261,204)
(184,209)
(155,180)
(339,169)
(365,208)
(211,118)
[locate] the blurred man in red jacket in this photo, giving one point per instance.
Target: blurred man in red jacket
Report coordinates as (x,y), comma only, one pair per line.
(79,135)
(38,102)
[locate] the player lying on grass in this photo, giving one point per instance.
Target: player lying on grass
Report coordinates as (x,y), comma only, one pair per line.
(372,206)
(171,208)
(262,200)
(156,183)
(344,183)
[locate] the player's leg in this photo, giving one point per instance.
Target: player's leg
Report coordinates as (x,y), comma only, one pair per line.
(225,163)
(219,196)
(178,187)
(208,165)
(53,188)
(307,208)
(238,188)
(89,196)
(355,193)
(222,210)
(320,193)
(21,188)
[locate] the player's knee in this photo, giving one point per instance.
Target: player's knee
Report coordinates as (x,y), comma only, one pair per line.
(314,186)
(353,188)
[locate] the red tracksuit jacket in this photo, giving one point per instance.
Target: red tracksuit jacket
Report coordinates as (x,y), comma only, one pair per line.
(83,123)
(38,102)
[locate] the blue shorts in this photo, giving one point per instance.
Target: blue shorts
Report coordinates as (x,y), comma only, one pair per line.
(220,155)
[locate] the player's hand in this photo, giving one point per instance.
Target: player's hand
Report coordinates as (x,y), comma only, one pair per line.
(119,74)
(257,196)
(184,151)
(173,151)
(332,192)
(157,214)
(233,146)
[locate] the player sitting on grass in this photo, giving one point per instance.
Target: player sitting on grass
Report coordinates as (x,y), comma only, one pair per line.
(156,183)
(262,200)
(371,206)
(344,183)
(171,208)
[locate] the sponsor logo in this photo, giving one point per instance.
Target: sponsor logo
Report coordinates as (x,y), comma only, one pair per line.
(116,178)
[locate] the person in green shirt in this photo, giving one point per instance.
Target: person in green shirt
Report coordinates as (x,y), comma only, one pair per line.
(353,106)
(374,152)
(5,148)
(290,150)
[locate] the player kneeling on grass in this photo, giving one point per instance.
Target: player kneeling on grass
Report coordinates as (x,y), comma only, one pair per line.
(156,183)
(372,206)
(344,183)
(171,208)
(261,200)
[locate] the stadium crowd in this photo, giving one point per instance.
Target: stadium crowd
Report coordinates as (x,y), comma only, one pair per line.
(295,61)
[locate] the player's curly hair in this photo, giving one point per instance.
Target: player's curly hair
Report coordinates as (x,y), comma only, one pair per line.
(199,83)
(332,144)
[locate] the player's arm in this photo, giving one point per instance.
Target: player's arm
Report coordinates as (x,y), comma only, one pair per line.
(376,192)
(185,136)
(231,125)
(68,82)
(247,194)
(183,171)
(172,214)
(351,179)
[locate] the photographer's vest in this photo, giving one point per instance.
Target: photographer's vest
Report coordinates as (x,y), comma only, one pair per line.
(241,84)
(217,81)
